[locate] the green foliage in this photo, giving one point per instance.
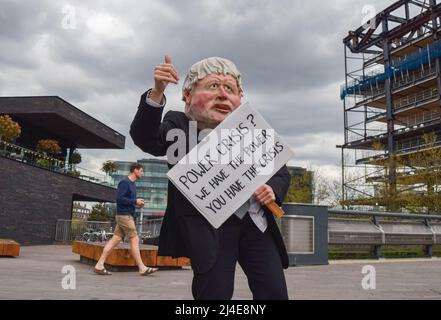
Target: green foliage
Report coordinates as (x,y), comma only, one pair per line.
(75,158)
(9,129)
(78,227)
(418,179)
(48,145)
(101,212)
(74,173)
(45,163)
(108,167)
(300,189)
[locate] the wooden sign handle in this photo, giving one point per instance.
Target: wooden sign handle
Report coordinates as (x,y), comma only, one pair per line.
(275,209)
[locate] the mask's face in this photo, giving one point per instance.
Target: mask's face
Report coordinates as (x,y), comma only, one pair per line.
(212,99)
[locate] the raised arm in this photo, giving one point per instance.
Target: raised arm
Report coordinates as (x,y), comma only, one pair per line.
(147,130)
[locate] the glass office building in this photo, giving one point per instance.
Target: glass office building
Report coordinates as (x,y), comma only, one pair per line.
(152,187)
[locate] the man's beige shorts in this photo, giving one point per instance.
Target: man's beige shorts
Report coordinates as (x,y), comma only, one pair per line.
(125,226)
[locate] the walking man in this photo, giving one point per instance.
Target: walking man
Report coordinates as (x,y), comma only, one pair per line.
(125,224)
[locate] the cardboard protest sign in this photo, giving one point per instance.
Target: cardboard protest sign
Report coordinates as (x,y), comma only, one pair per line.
(224,170)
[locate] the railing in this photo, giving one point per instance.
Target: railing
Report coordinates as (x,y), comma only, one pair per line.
(67,231)
(398,82)
(149,230)
(21,154)
(401,147)
(371,153)
(415,144)
(402,43)
(418,118)
(370,74)
(359,133)
(409,101)
(405,124)
(353,136)
(41,160)
(413,61)
(394,229)
(70,230)
(416,98)
(92,176)
(412,77)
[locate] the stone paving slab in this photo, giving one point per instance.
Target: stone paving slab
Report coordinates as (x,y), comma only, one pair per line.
(37,274)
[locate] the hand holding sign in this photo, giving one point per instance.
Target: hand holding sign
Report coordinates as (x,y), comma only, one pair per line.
(266,196)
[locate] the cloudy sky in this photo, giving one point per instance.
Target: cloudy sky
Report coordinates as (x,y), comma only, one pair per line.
(100,55)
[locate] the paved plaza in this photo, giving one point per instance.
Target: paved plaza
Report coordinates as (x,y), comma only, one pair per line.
(37,274)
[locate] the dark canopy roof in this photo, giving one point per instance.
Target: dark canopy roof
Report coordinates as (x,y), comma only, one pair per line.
(57,116)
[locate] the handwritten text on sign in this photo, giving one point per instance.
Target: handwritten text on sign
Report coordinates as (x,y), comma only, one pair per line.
(227,166)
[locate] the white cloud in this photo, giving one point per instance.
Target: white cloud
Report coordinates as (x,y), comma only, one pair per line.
(104,24)
(289,52)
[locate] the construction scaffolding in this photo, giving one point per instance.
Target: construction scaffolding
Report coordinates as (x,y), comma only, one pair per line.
(392,106)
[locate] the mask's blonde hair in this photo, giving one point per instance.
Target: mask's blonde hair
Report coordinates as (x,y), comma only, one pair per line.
(203,68)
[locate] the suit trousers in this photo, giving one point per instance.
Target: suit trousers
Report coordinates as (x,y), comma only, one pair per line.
(241,241)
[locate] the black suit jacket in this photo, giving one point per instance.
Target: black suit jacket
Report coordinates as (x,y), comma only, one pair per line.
(185,232)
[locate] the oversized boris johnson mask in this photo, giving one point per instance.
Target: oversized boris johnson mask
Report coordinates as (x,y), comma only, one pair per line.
(211,91)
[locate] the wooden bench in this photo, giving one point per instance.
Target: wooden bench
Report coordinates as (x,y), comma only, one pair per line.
(120,257)
(9,248)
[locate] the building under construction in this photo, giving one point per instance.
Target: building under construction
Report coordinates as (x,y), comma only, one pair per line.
(392,107)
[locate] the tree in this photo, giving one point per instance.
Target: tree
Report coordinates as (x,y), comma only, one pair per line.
(300,188)
(75,158)
(417,185)
(314,187)
(48,145)
(101,212)
(42,162)
(420,177)
(9,129)
(108,167)
(326,190)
